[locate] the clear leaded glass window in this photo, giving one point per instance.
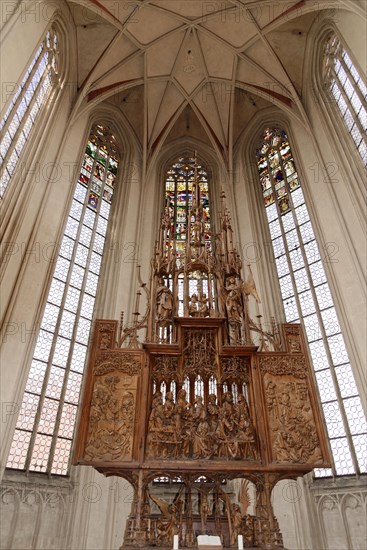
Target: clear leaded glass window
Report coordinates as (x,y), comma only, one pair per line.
(44,431)
(17,124)
(307,299)
(349,92)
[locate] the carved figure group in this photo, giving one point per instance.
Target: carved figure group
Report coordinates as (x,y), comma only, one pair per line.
(111,421)
(198,306)
(199,431)
(294,435)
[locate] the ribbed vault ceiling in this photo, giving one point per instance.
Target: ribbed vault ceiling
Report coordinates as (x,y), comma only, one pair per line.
(180,63)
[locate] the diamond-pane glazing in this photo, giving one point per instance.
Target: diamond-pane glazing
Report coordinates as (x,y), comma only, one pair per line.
(307,303)
(301,278)
(347,87)
(360,444)
(18,450)
(28,411)
(61,351)
(282,266)
(55,378)
(337,349)
(325,385)
(291,310)
(40,454)
(306,295)
(342,457)
(60,463)
(32,94)
(55,382)
(355,415)
(346,381)
(333,418)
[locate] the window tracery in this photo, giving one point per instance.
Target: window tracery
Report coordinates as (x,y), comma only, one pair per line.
(44,431)
(307,298)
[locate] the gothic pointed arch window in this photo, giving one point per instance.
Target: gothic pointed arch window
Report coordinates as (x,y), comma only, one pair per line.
(307,299)
(29,99)
(44,430)
(347,90)
(178,204)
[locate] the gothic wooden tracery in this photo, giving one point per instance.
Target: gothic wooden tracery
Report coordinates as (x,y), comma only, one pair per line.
(198,402)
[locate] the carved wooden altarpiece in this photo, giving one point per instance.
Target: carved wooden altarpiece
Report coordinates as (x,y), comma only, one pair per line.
(199,403)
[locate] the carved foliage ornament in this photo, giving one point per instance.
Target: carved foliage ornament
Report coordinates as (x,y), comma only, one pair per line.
(234,368)
(122,362)
(199,352)
(165,367)
(282,365)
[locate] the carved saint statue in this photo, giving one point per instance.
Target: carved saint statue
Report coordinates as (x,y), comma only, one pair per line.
(236,523)
(233,301)
(194,306)
(203,306)
(164,302)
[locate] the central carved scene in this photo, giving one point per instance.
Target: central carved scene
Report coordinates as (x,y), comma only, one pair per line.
(199,403)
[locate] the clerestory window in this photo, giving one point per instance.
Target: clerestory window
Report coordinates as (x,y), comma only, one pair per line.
(43,436)
(16,126)
(307,299)
(348,92)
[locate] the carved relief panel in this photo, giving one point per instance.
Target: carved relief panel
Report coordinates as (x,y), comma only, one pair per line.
(199,401)
(110,408)
(293,425)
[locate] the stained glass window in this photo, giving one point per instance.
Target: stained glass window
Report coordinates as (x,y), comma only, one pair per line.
(17,124)
(178,186)
(307,299)
(348,91)
(178,199)
(45,426)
